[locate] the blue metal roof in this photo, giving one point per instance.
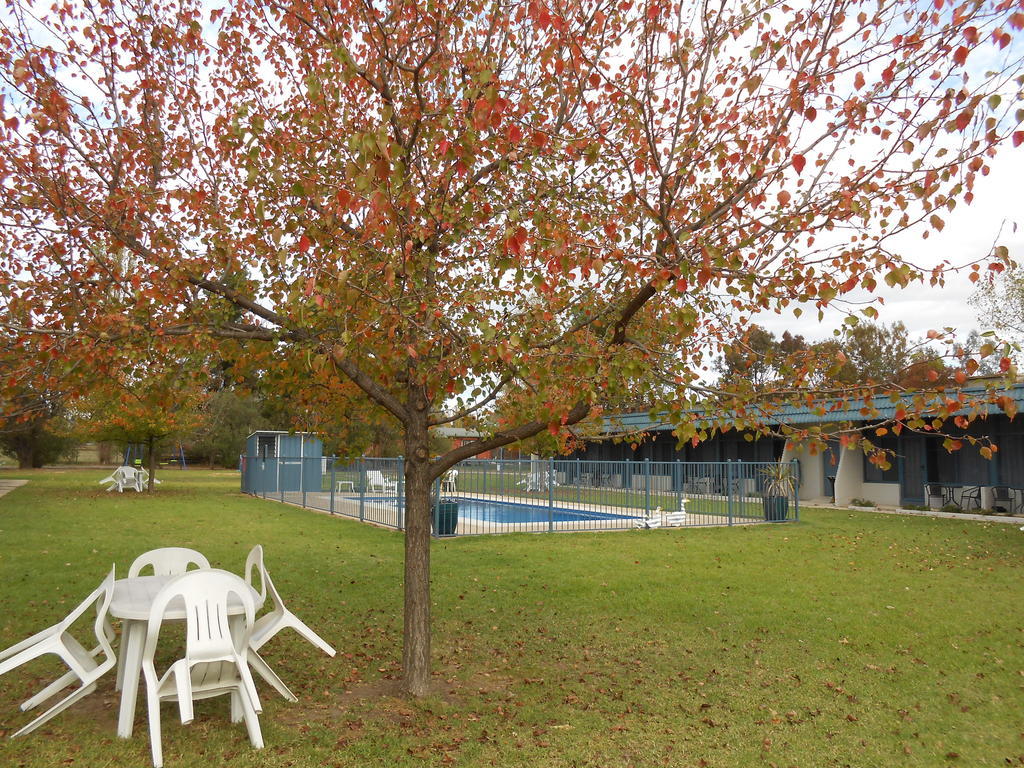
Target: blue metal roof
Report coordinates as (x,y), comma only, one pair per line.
(881,408)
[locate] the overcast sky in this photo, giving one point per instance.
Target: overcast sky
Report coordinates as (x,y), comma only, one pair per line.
(970,233)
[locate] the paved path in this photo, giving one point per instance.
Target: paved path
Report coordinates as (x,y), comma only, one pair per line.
(8,485)
(953,515)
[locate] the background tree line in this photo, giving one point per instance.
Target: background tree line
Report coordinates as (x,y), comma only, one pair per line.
(865,354)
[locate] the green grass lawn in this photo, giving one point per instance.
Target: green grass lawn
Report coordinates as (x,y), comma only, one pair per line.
(845,640)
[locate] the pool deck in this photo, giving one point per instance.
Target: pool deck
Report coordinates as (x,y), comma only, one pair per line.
(385,513)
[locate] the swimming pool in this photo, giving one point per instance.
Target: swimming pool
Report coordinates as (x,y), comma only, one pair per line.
(511,512)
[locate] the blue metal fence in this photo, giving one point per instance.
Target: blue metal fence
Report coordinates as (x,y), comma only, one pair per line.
(490,496)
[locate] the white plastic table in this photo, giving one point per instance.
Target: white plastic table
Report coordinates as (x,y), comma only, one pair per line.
(131,602)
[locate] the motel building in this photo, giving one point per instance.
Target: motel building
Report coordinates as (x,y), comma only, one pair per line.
(921,473)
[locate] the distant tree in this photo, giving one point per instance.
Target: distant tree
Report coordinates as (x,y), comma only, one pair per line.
(34,425)
(875,353)
(38,435)
(226,418)
(754,357)
(145,404)
(865,354)
(982,350)
(1000,303)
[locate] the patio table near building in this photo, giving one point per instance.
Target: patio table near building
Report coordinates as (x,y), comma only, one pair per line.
(954,494)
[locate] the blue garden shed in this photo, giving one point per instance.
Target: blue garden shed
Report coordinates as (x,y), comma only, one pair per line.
(282,462)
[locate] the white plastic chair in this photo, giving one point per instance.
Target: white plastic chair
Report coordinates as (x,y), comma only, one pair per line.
(121,478)
(165,561)
(84,665)
(375,481)
(168,561)
(448,481)
(270,624)
(659,517)
(142,479)
(216,653)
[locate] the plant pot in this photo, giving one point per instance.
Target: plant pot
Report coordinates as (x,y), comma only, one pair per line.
(446,518)
(775,508)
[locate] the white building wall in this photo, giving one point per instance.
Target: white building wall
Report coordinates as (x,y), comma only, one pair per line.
(886,494)
(850,476)
(812,475)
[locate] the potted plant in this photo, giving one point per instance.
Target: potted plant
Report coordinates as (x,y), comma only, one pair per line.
(779,485)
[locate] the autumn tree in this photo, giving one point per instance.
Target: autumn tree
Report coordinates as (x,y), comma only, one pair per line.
(1000,303)
(226,418)
(143,402)
(551,203)
(35,427)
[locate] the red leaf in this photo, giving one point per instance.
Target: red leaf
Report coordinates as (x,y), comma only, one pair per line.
(888,75)
(810,113)
(963,119)
(344,198)
(858,81)
(960,55)
(304,243)
(784,197)
(971,34)
(1018,138)
(481,113)
(1004,365)
(799,162)
(515,134)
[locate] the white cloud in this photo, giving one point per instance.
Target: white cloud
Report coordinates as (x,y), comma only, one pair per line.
(970,233)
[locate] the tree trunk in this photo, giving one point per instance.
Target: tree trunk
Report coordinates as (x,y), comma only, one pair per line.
(25,450)
(152,464)
(416,649)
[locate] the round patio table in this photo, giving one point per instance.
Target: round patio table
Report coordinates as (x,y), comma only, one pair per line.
(131,602)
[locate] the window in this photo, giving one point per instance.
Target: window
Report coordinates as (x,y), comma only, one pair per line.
(874,473)
(266,446)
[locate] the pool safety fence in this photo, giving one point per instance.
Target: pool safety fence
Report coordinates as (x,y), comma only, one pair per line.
(488,496)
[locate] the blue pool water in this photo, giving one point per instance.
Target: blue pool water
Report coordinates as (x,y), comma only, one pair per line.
(510,512)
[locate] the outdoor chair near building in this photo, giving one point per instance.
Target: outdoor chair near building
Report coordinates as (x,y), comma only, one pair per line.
(699,485)
(1006,499)
(963,497)
(970,497)
(85,666)
(935,495)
